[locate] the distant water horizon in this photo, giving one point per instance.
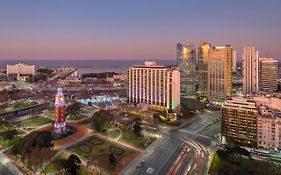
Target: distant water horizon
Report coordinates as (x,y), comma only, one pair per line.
(88,66)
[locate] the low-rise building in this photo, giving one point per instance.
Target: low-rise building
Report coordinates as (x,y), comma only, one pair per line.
(120,77)
(269,128)
(70,80)
(5,86)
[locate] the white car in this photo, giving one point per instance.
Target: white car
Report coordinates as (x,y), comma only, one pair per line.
(149,170)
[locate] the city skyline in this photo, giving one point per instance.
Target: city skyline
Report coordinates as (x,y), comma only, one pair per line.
(133,30)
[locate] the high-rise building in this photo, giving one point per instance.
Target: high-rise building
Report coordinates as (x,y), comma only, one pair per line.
(250,70)
(219,74)
(267,74)
(59,125)
(186,61)
(239,122)
(155,85)
(203,55)
(234,58)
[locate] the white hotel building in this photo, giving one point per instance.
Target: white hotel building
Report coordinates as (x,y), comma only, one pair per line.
(154,85)
(21,69)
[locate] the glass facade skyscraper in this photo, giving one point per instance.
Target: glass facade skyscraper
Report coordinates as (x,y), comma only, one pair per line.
(203,51)
(186,61)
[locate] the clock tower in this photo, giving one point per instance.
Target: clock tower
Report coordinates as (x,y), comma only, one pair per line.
(59,125)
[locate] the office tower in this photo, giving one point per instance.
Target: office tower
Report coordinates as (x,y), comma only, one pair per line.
(267,74)
(186,61)
(234,57)
(269,127)
(155,85)
(219,74)
(250,70)
(239,122)
(20,70)
(59,125)
(203,53)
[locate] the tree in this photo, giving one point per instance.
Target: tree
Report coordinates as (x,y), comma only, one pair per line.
(156,117)
(34,147)
(73,109)
(241,151)
(137,127)
(8,135)
(226,168)
(90,103)
(3,124)
(72,164)
(112,159)
(100,118)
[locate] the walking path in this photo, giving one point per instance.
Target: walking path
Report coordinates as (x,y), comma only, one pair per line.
(118,142)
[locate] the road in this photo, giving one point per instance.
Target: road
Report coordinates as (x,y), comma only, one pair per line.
(162,153)
(6,167)
(4,170)
(204,128)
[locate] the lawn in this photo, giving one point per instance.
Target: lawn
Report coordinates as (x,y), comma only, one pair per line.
(74,118)
(215,164)
(86,171)
(88,111)
(7,143)
(34,122)
(55,166)
(85,122)
(141,142)
(3,127)
(99,152)
(49,113)
(113,133)
(49,168)
(128,137)
(17,105)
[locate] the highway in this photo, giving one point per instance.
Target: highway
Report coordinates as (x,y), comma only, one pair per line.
(161,155)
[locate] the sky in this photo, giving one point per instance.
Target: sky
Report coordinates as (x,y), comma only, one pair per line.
(134,29)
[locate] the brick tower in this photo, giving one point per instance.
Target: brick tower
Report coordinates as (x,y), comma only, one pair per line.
(59,125)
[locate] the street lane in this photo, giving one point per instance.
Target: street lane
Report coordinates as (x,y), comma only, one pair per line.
(4,170)
(162,153)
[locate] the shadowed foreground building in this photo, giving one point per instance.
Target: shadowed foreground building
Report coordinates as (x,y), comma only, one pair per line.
(154,85)
(239,122)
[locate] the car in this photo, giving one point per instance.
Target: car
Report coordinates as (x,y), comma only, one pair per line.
(140,164)
(149,171)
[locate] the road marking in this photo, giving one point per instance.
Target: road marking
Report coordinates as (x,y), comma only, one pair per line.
(199,135)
